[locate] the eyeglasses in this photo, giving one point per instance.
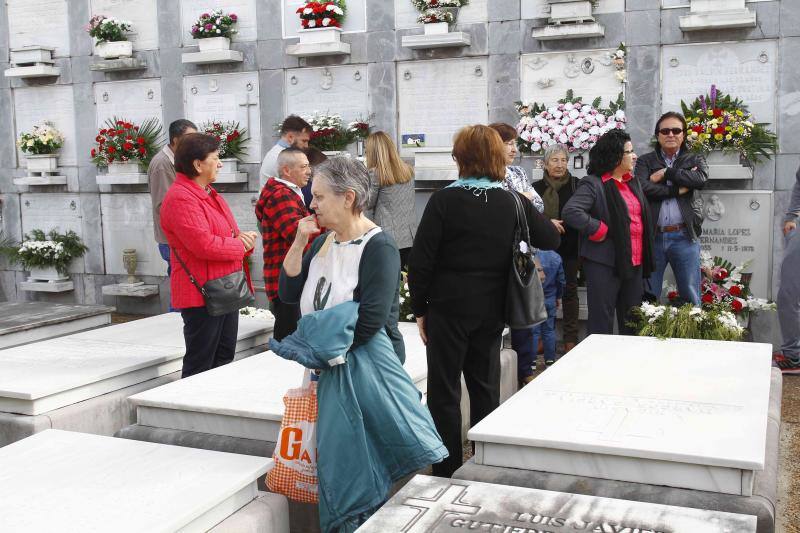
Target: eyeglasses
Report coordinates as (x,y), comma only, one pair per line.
(627,152)
(667,131)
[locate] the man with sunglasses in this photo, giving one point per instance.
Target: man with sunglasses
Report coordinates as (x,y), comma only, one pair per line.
(671,177)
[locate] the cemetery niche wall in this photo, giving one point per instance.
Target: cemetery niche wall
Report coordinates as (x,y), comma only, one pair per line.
(530,50)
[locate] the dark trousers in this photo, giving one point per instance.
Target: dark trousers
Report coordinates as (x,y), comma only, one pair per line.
(457,344)
(404,253)
(286,317)
(607,294)
(210,340)
(570,300)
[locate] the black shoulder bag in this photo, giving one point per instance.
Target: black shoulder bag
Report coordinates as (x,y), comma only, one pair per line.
(223,295)
(525,306)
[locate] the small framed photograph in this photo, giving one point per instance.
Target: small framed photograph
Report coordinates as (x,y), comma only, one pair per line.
(538,163)
(413,140)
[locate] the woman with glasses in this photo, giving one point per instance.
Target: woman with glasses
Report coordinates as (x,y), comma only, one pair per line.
(610,212)
(516,179)
(671,176)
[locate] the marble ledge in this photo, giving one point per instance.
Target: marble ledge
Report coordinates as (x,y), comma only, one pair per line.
(122,179)
(444,40)
(118,65)
(35,71)
(131,291)
(720,20)
(40,180)
(213,56)
(568,31)
(46,286)
(318,49)
(236,177)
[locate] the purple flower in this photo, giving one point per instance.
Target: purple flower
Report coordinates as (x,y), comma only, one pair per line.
(208,27)
(204,16)
(713,96)
(233,17)
(703,103)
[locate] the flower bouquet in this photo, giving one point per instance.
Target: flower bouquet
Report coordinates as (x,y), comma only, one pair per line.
(40,251)
(358,129)
(322,14)
(726,285)
(434,11)
(214,30)
(231,139)
(256,313)
(329,133)
(686,322)
(111,36)
(121,141)
(570,122)
(40,147)
(718,121)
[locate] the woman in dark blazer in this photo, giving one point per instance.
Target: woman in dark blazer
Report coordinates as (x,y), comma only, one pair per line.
(612,216)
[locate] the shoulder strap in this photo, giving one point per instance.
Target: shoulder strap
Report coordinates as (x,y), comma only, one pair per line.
(191,277)
(522,223)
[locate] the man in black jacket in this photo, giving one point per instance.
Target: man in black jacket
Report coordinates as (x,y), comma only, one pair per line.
(671,177)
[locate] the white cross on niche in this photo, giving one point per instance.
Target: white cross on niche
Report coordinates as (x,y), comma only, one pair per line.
(447,501)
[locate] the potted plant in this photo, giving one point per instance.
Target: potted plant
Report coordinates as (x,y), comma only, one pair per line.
(721,127)
(438,15)
(321,21)
(110,34)
(123,146)
(47,256)
(231,139)
(41,147)
(214,30)
(330,135)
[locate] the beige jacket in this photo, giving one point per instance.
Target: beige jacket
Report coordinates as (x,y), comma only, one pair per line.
(161,175)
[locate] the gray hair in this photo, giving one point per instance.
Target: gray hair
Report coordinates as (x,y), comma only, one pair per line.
(554,149)
(288,157)
(346,174)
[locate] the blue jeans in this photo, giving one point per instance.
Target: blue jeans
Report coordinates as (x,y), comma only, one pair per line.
(683,255)
(163,249)
(547,331)
(522,343)
(789,297)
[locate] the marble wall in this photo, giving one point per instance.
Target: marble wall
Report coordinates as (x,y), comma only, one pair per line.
(501,33)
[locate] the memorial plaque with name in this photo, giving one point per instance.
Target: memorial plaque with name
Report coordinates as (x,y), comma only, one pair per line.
(437,98)
(47,211)
(745,70)
(246,26)
(436,505)
(547,77)
(33,105)
(135,101)
(355,21)
(141,13)
(226,97)
(342,90)
(474,12)
(128,223)
(534,9)
(738,227)
(39,22)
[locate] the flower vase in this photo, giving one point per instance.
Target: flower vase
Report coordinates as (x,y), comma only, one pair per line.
(229,166)
(123,167)
(49,274)
(42,163)
(320,35)
(437,28)
(129,262)
(727,165)
(113,50)
(214,44)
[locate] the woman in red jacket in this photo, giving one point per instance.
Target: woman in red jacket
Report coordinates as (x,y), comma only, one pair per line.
(201,231)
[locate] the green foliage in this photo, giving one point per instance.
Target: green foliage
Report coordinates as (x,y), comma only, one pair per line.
(108,29)
(40,250)
(686,322)
(124,141)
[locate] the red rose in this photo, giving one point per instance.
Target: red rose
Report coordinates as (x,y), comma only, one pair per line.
(136,128)
(103,131)
(140,140)
(128,146)
(111,149)
(737,306)
(717,112)
(735,290)
(143,150)
(721,275)
(698,129)
(94,152)
(120,123)
(128,125)
(120,132)
(672,295)
(708,298)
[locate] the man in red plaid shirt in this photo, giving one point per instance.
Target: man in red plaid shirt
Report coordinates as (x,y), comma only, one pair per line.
(278,210)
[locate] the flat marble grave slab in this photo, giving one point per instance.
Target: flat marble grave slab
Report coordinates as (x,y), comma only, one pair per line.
(435,505)
(680,413)
(243,399)
(24,322)
(47,375)
(65,481)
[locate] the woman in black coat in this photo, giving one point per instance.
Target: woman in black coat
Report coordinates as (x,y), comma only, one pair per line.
(612,216)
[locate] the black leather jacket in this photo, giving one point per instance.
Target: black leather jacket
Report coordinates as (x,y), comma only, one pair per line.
(689,170)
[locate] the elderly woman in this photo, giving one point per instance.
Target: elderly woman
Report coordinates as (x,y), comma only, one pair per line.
(516,179)
(388,433)
(458,275)
(206,243)
(611,214)
(391,194)
(556,189)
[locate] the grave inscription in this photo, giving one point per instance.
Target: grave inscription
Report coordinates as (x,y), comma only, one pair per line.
(343,90)
(39,22)
(135,101)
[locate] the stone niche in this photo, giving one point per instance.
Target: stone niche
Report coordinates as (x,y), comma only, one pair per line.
(569,19)
(355,20)
(477,11)
(141,13)
(33,105)
(226,97)
(41,23)
(717,15)
(128,223)
(63,212)
(343,90)
(246,26)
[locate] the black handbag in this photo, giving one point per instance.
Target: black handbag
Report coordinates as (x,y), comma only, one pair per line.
(223,295)
(525,305)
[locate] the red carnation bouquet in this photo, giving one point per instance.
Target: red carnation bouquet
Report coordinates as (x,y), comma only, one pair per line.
(123,141)
(726,285)
(231,138)
(321,14)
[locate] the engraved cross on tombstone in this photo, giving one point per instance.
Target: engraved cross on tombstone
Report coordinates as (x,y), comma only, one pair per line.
(247,105)
(431,511)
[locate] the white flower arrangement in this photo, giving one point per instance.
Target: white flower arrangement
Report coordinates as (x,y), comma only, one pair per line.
(257,313)
(47,250)
(43,139)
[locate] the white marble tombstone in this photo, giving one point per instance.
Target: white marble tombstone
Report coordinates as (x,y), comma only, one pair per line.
(135,101)
(226,97)
(128,223)
(545,78)
(55,104)
(534,9)
(66,481)
(245,10)
(141,13)
(437,98)
(47,211)
(355,21)
(243,208)
(39,22)
(341,90)
(738,227)
(600,414)
(746,70)
(475,12)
